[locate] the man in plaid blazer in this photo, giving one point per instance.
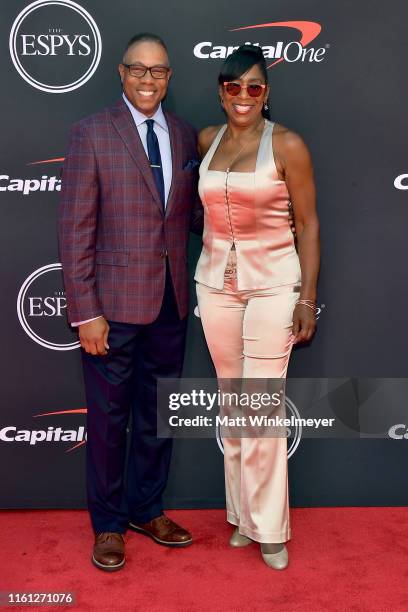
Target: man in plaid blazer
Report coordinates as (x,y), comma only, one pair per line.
(128,200)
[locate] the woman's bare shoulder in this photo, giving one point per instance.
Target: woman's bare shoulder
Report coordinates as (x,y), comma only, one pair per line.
(206,137)
(287,141)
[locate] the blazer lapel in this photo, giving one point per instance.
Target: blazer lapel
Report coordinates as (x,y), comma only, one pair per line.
(124,124)
(176,139)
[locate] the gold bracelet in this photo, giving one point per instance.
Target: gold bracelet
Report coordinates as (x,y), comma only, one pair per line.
(309,303)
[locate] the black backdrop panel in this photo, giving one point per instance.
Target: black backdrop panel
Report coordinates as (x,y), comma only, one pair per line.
(58,64)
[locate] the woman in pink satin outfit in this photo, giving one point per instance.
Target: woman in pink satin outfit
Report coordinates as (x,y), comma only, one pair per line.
(256,288)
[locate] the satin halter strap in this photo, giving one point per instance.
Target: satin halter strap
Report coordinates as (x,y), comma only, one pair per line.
(213,147)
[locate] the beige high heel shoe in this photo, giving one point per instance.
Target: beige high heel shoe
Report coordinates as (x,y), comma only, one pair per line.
(278,561)
(238,540)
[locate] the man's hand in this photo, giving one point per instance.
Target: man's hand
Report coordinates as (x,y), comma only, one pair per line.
(94,336)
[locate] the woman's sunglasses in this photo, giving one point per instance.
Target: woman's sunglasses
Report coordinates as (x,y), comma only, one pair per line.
(253,89)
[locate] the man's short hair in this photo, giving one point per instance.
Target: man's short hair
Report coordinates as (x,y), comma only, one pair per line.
(145,37)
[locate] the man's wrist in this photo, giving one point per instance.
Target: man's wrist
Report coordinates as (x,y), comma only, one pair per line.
(78,323)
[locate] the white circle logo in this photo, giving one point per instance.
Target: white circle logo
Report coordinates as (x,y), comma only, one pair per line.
(41,305)
(297,434)
(291,410)
(401,182)
(55,45)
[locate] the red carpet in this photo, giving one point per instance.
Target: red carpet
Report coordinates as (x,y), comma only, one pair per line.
(340,559)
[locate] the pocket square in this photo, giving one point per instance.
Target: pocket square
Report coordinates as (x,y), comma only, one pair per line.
(191,164)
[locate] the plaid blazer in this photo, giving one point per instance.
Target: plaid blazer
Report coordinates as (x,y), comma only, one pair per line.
(113,232)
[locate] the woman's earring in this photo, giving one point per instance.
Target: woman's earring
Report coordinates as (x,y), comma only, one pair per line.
(266,107)
(222,102)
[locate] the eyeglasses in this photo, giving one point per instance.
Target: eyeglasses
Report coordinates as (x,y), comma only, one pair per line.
(157,72)
(253,89)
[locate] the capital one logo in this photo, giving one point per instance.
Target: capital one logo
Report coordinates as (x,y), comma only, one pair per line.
(398,432)
(293,436)
(55,45)
(401,182)
(27,186)
(288,49)
(41,305)
(33,437)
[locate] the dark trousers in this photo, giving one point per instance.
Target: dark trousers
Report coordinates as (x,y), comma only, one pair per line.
(123,382)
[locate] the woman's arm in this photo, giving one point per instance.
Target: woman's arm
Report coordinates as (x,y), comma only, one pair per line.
(298,172)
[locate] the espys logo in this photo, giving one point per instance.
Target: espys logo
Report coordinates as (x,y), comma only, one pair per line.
(51,434)
(401,182)
(288,50)
(41,305)
(27,186)
(55,45)
(293,436)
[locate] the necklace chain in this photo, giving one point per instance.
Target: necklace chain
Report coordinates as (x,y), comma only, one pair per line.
(240,151)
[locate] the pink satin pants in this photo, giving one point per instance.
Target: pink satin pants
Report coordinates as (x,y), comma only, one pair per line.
(249,335)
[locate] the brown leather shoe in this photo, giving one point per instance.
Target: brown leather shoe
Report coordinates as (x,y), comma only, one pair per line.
(109,551)
(164,531)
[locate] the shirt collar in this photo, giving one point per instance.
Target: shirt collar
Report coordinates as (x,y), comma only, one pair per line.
(140,118)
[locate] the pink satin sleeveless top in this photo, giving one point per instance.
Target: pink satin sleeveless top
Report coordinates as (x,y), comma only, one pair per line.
(251,211)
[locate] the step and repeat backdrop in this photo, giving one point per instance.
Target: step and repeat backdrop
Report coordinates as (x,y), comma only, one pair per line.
(337,75)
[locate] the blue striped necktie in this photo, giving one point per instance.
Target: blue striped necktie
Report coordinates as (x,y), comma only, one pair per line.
(155,158)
